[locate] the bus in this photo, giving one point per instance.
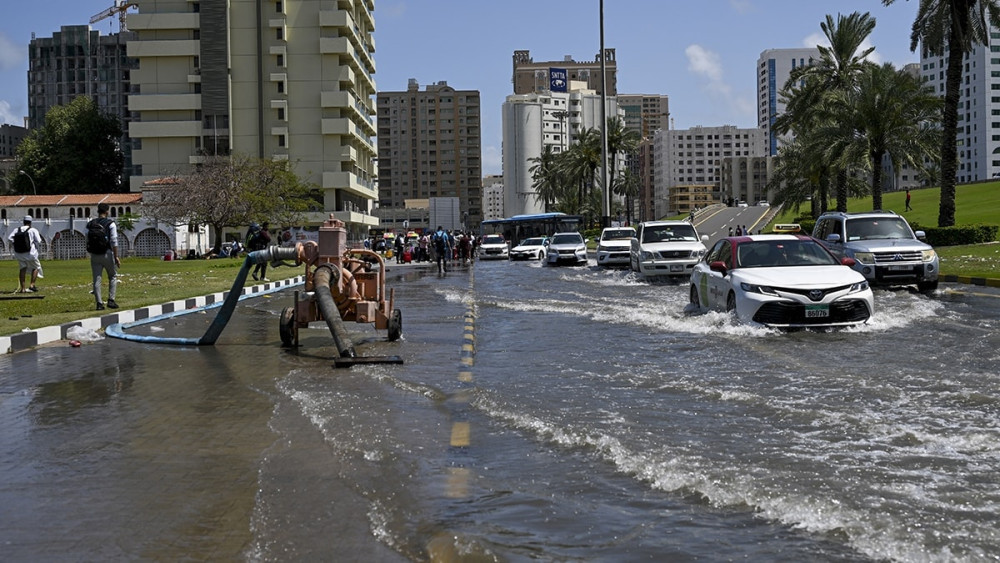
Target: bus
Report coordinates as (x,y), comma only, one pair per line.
(520,227)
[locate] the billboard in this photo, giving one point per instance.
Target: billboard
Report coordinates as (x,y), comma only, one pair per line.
(558,79)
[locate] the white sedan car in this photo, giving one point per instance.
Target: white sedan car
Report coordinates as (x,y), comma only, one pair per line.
(493,247)
(530,249)
(785,281)
(566,247)
(614,246)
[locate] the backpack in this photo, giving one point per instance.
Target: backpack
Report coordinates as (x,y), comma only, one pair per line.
(98,236)
(22,242)
(439,241)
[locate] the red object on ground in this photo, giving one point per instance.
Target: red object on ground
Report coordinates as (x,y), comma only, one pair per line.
(74,343)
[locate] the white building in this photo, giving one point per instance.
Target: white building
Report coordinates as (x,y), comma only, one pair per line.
(532,121)
(694,156)
(774,66)
(492,197)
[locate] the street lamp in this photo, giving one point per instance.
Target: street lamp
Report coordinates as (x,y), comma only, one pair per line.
(33,189)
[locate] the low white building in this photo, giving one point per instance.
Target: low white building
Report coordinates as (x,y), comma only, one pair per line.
(61,220)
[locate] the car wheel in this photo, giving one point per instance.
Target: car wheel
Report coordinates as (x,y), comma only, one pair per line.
(395,325)
(927,287)
(286,327)
(731,303)
(631,264)
(541,255)
(694,296)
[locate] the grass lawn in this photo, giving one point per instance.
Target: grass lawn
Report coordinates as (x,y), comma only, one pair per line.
(141,282)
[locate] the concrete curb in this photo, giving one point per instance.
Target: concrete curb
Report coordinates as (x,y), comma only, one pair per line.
(988,282)
(32,338)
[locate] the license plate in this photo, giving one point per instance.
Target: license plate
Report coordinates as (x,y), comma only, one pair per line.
(817,311)
(900,268)
(676,267)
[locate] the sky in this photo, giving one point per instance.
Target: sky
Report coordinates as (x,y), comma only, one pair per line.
(701,54)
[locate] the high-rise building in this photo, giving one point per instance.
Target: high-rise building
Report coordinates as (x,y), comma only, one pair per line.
(694,156)
(493,197)
(429,146)
(279,79)
(645,113)
(533,121)
(774,67)
(79,61)
(10,137)
(531,77)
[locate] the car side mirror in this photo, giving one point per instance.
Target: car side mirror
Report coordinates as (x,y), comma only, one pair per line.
(704,239)
(920,235)
(718,266)
(833,237)
(848,261)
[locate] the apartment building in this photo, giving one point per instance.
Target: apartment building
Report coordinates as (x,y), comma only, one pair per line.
(281,79)
(10,137)
(493,197)
(745,178)
(79,61)
(694,156)
(774,67)
(430,146)
(532,77)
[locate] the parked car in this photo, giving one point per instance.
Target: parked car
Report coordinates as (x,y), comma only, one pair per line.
(530,249)
(614,246)
(884,247)
(666,249)
(784,281)
(566,247)
(493,247)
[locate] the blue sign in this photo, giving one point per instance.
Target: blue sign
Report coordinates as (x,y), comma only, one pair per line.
(558,79)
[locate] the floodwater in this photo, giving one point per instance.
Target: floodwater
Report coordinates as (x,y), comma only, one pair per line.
(541,414)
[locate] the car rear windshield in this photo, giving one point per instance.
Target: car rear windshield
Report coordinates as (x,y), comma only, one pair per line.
(669,233)
(869,228)
(770,253)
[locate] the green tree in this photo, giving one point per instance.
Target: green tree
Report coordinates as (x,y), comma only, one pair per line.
(232,191)
(951,28)
(580,166)
(546,177)
(76,152)
(627,186)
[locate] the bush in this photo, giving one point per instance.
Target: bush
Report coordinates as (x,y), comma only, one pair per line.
(958,235)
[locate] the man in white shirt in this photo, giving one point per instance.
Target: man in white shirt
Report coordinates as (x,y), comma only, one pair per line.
(26,253)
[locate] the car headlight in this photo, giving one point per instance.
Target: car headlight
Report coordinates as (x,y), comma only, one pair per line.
(647,255)
(699,253)
(603,249)
(761,289)
(860,286)
(928,255)
(865,257)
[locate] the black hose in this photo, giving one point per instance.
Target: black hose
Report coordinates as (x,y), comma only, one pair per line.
(323,279)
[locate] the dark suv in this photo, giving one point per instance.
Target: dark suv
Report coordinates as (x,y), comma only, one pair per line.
(885,250)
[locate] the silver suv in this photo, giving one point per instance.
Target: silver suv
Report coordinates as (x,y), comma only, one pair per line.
(885,250)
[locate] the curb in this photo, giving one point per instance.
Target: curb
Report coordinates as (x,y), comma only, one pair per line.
(32,338)
(988,282)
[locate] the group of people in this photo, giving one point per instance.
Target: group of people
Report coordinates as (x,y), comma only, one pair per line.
(441,246)
(740,231)
(102,245)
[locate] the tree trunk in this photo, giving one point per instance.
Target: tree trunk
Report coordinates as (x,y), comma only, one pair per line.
(876,181)
(949,134)
(842,191)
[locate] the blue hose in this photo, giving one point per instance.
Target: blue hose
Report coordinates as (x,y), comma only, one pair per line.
(272,254)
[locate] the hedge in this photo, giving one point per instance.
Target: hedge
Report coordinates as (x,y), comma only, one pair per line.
(958,235)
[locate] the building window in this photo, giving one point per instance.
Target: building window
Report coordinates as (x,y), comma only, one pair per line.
(281,114)
(196,7)
(278,7)
(281,87)
(281,141)
(280,33)
(281,60)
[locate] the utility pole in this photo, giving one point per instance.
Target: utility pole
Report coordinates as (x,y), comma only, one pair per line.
(605,187)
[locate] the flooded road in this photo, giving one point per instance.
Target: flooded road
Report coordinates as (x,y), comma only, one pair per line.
(541,414)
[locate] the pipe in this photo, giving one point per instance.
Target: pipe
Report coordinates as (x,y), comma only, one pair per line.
(228,305)
(323,279)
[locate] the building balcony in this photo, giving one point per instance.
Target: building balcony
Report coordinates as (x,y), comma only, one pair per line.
(147,129)
(176,20)
(349,182)
(344,127)
(169,48)
(348,101)
(164,102)
(342,46)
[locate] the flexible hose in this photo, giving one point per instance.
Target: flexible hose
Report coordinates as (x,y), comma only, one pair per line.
(323,279)
(225,312)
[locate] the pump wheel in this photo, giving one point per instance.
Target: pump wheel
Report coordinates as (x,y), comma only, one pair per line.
(395,325)
(286,326)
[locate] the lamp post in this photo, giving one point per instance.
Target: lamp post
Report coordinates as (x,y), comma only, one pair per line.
(33,189)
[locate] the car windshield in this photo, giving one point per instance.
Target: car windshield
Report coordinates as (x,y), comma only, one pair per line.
(533,241)
(567,238)
(669,233)
(769,253)
(618,234)
(869,228)
(493,239)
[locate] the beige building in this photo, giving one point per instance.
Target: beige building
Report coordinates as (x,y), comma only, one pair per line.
(531,77)
(430,146)
(280,79)
(685,198)
(745,178)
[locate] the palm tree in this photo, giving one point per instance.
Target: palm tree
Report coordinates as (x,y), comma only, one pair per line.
(837,70)
(890,115)
(627,186)
(581,163)
(546,176)
(953,27)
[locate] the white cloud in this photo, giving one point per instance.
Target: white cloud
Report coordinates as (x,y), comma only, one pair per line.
(12,55)
(707,65)
(8,116)
(819,38)
(741,6)
(704,62)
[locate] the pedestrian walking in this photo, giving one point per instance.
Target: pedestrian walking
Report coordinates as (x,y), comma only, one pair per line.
(25,241)
(442,249)
(258,238)
(102,244)
(908,208)
(398,243)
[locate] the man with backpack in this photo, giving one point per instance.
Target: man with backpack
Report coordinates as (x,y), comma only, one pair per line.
(442,249)
(102,244)
(259,238)
(25,241)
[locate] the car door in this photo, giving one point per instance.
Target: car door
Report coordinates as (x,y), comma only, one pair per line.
(713,286)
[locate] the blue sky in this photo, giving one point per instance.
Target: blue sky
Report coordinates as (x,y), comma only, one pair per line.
(701,54)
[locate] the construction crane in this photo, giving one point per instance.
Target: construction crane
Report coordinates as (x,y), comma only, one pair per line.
(120,8)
